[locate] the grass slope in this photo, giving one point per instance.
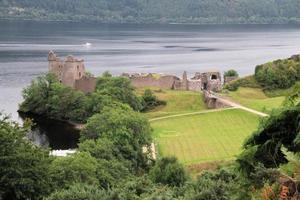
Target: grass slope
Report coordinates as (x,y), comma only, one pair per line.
(204,137)
(256,99)
(178,102)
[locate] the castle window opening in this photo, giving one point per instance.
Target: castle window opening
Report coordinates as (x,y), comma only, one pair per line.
(205,86)
(213,77)
(77,67)
(79,74)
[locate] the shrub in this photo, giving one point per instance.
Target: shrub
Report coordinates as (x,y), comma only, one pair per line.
(248,81)
(81,191)
(231,73)
(150,101)
(168,171)
(120,89)
(279,74)
(128,130)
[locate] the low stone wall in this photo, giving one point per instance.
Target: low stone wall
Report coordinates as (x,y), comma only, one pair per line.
(195,85)
(86,84)
(163,82)
(212,101)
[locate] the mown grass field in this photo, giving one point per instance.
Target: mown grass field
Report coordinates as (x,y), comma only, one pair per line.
(204,137)
(178,102)
(256,99)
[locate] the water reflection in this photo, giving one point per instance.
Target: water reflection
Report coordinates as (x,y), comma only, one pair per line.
(53,134)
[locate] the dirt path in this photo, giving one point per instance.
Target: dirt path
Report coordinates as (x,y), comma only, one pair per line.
(236,105)
(192,113)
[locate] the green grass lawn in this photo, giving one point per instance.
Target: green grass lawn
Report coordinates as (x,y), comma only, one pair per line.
(178,102)
(204,137)
(256,99)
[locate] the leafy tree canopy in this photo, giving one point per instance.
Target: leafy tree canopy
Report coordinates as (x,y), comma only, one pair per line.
(231,73)
(168,171)
(24,170)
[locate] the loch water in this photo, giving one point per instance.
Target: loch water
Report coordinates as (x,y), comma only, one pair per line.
(119,48)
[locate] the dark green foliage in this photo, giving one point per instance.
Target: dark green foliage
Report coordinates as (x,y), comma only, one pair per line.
(248,81)
(47,97)
(23,166)
(231,73)
(279,74)
(120,89)
(212,185)
(261,175)
(150,101)
(163,11)
(100,149)
(81,191)
(280,130)
(265,145)
(126,129)
(77,168)
(168,171)
(111,165)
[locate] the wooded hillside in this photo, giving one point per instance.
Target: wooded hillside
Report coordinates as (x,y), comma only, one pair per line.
(155,11)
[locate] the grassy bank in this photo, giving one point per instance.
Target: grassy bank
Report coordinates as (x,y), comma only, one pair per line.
(178,102)
(256,99)
(204,137)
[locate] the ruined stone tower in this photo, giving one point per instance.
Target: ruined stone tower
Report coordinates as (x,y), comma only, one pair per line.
(185,82)
(71,72)
(68,71)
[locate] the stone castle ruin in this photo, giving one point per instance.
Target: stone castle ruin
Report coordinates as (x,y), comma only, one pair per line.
(71,72)
(201,81)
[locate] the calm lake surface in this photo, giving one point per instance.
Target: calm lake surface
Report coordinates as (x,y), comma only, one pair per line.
(136,48)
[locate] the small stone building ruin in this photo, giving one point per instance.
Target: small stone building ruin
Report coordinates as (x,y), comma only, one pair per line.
(71,72)
(210,81)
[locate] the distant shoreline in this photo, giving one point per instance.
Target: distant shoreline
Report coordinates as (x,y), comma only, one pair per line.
(143,23)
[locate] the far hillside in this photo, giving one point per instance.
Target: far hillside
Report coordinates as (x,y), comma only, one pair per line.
(163,11)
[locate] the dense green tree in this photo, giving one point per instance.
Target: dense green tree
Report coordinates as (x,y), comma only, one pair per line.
(36,95)
(77,168)
(47,97)
(111,165)
(278,74)
(24,170)
(150,101)
(231,73)
(275,136)
(120,89)
(168,171)
(216,185)
(128,130)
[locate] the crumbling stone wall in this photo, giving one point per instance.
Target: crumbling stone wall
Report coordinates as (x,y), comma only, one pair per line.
(163,82)
(86,84)
(195,85)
